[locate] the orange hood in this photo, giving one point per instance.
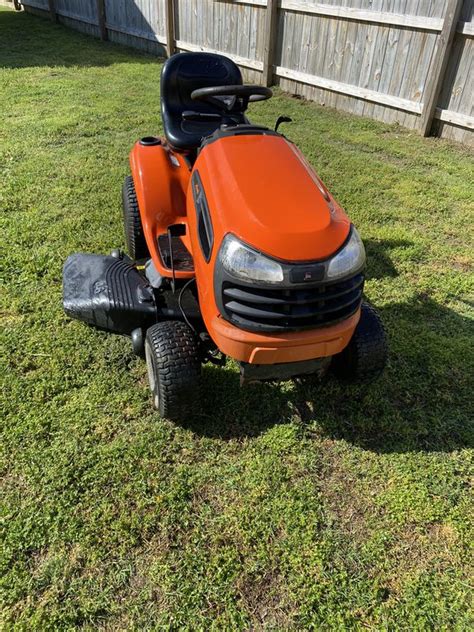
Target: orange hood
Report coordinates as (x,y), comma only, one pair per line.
(261,189)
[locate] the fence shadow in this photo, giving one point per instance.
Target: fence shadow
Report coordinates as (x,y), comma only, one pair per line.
(28,41)
(421,403)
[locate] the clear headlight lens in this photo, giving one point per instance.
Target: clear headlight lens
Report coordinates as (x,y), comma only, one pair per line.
(245,263)
(350,258)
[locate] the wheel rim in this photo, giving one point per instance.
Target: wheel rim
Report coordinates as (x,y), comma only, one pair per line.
(150,365)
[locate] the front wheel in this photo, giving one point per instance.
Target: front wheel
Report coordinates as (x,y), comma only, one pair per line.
(174,368)
(365,357)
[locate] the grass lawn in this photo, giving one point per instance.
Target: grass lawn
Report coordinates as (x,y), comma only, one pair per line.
(276,506)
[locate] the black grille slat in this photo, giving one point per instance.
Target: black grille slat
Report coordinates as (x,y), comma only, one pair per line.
(286,309)
(332,308)
(252,297)
(318,310)
(296,297)
(245,310)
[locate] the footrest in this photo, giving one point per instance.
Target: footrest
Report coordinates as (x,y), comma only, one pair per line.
(182,258)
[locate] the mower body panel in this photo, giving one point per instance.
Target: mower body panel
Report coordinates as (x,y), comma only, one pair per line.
(297,346)
(161,178)
(262,190)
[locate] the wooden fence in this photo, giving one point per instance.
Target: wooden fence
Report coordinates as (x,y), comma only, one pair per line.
(405,61)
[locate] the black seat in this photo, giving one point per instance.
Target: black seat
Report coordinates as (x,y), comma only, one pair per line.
(182,73)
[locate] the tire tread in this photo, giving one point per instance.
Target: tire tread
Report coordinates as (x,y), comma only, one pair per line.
(132,223)
(365,357)
(178,367)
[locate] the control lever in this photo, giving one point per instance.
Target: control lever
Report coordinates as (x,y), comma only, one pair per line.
(282,119)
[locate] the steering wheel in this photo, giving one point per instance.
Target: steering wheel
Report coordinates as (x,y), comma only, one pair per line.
(248,93)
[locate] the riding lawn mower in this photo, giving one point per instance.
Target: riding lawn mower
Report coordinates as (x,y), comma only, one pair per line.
(235,249)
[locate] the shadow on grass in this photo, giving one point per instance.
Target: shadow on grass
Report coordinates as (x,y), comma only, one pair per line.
(380,263)
(422,402)
(29,41)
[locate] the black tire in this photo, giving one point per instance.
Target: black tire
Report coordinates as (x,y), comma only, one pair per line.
(174,368)
(132,223)
(365,357)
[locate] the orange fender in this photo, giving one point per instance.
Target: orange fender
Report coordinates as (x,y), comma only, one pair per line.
(161,178)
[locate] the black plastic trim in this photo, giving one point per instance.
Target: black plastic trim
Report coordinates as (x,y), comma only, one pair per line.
(282,371)
(243,129)
(182,258)
(204,223)
(108,293)
(328,308)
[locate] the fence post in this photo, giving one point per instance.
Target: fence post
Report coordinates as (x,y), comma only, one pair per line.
(270,39)
(52,11)
(101,19)
(439,64)
(170,42)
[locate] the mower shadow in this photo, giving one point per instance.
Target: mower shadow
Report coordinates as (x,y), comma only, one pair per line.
(29,41)
(421,403)
(380,264)
(423,400)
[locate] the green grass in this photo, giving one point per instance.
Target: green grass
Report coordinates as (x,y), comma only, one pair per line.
(276,506)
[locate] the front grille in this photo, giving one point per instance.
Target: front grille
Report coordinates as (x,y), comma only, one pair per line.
(290,309)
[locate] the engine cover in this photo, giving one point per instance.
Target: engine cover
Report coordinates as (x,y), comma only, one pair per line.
(260,188)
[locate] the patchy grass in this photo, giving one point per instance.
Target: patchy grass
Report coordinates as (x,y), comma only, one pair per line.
(276,506)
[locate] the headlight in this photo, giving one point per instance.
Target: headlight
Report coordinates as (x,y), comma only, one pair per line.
(350,258)
(248,264)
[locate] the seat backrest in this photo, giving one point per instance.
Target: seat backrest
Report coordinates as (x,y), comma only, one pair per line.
(182,73)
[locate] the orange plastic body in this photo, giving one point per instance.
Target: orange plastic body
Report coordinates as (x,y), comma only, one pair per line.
(281,348)
(262,190)
(161,179)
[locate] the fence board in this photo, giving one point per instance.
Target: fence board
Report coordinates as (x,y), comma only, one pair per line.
(77,9)
(439,65)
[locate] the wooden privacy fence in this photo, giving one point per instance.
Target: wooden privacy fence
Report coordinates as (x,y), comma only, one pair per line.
(405,61)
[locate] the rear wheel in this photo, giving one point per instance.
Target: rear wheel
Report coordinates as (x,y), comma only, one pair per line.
(174,368)
(365,357)
(132,223)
